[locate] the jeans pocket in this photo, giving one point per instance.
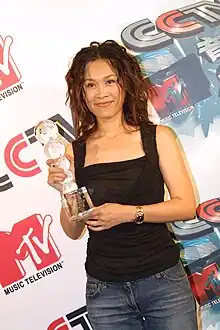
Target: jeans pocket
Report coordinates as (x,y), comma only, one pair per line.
(93,288)
(175,273)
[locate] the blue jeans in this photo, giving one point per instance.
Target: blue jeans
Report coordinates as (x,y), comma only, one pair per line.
(163,301)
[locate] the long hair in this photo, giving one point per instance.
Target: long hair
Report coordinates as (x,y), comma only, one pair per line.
(126,66)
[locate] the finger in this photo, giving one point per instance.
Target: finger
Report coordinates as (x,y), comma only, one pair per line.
(95,217)
(93,223)
(56,170)
(56,179)
(93,213)
(100,228)
(51,162)
(58,176)
(88,214)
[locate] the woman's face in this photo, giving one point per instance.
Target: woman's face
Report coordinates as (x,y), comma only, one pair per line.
(103,94)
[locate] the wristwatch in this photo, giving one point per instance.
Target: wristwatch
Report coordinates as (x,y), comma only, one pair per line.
(139,218)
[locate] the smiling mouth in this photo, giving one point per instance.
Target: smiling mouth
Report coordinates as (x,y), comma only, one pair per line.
(103,104)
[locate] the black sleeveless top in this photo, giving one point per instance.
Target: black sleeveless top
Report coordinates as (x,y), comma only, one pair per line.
(127,251)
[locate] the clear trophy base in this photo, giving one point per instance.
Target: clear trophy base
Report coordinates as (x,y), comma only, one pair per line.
(76,203)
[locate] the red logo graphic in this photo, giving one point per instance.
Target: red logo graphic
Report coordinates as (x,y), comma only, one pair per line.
(58,324)
(76,318)
(170,95)
(9,73)
(29,238)
(169,22)
(210,211)
(13,161)
(206,285)
(15,148)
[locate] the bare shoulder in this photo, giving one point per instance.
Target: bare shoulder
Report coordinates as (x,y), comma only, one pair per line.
(168,145)
(164,132)
(165,136)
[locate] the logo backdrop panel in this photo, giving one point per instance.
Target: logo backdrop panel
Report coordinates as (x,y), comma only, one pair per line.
(178,46)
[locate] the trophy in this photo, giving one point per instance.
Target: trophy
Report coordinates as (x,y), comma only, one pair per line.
(76,201)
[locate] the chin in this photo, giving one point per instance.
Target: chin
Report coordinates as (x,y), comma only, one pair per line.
(106,114)
(104,117)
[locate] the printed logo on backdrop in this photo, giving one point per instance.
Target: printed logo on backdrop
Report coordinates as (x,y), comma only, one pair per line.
(23,141)
(30,241)
(10,75)
(78,318)
(199,241)
(180,54)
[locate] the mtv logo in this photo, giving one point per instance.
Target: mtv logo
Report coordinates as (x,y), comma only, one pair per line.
(31,238)
(170,95)
(9,73)
(174,88)
(206,285)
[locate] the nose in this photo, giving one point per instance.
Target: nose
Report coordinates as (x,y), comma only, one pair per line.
(101,91)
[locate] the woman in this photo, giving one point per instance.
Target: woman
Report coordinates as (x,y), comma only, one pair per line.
(134,277)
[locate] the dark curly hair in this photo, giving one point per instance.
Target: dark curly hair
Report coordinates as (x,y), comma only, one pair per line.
(130,76)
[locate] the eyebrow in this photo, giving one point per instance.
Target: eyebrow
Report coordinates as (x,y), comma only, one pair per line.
(110,75)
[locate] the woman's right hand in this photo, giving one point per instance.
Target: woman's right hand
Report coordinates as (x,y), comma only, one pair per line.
(56,175)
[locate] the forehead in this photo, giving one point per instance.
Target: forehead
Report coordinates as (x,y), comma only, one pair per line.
(98,69)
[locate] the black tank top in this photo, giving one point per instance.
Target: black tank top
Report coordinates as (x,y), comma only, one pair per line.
(127,251)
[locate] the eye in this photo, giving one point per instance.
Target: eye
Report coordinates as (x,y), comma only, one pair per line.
(90,85)
(110,81)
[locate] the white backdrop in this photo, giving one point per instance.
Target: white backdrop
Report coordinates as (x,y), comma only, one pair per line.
(46,34)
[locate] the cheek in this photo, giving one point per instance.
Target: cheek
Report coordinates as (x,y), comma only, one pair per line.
(119,93)
(88,96)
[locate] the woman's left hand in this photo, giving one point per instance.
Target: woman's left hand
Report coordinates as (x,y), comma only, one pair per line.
(108,215)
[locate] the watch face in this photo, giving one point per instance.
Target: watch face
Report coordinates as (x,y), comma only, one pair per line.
(140,218)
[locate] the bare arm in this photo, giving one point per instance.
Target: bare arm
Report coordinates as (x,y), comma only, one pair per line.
(182,205)
(74,230)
